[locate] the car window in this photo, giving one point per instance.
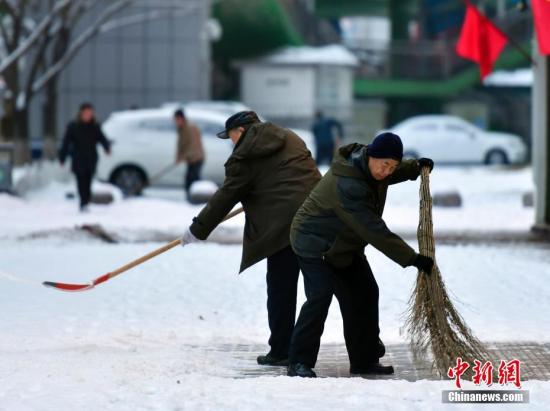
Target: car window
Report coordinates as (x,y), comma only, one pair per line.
(455,128)
(458,129)
(158,124)
(425,127)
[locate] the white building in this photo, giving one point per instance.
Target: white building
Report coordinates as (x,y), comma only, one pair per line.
(294,82)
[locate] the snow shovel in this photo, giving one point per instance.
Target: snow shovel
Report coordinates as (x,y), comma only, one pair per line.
(126,267)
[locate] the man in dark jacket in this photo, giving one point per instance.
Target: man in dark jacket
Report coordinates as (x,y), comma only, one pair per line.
(329,233)
(79,142)
(270,172)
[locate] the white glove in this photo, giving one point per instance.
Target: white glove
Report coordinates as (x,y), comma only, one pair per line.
(188,238)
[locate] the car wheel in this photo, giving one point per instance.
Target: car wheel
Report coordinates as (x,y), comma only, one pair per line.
(496,157)
(410,155)
(130,179)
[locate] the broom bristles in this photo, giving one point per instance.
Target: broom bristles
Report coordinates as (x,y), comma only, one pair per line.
(432,321)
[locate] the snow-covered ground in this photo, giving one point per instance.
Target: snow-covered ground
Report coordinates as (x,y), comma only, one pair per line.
(125,344)
(48,209)
(141,341)
(491,198)
(492,201)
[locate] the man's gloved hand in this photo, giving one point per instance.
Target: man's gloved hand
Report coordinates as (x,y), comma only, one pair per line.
(426,162)
(188,238)
(423,263)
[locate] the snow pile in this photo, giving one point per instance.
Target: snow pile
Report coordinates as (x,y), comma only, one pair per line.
(37,175)
(58,191)
(202,190)
(333,54)
(522,77)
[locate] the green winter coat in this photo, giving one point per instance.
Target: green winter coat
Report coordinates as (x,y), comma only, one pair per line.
(344,212)
(270,172)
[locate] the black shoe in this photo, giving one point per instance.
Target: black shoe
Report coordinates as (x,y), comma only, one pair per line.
(268,359)
(300,370)
(381,348)
(374,368)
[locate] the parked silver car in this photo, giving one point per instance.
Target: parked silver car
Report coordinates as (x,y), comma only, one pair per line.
(450,139)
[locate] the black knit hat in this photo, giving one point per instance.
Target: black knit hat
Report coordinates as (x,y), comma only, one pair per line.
(242,118)
(386,145)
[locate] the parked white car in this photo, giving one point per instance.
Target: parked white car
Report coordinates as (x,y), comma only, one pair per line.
(144,144)
(450,139)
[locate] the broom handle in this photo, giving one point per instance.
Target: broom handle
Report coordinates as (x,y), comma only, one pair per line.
(154,178)
(425,229)
(162,172)
(154,253)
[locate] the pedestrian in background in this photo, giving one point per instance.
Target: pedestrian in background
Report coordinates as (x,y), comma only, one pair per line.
(189,148)
(80,141)
(328,134)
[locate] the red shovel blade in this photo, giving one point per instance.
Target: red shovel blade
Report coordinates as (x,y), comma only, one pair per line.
(77,287)
(68,287)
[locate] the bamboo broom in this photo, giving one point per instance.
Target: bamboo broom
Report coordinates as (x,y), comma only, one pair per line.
(433,321)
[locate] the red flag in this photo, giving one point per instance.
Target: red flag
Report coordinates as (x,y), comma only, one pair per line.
(480,40)
(541,13)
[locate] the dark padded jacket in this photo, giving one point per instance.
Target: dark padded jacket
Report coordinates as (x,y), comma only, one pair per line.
(80,143)
(270,172)
(343,214)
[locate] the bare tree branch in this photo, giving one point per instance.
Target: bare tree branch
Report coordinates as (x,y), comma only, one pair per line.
(17,22)
(5,35)
(42,27)
(79,43)
(69,19)
(142,17)
(8,40)
(38,61)
(78,9)
(11,7)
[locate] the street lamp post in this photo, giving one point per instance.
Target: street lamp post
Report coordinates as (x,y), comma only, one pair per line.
(541,138)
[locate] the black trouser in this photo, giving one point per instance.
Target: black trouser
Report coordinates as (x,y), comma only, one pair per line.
(84,184)
(357,292)
(282,286)
(193,174)
(324,154)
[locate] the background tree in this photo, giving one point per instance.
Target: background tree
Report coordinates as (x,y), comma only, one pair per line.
(38,40)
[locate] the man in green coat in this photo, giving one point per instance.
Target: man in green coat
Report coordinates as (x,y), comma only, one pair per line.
(329,234)
(270,172)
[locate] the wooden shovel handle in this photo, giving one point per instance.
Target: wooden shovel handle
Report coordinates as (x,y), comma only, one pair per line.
(153,253)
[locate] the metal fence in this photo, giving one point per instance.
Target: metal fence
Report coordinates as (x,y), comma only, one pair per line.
(428,59)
